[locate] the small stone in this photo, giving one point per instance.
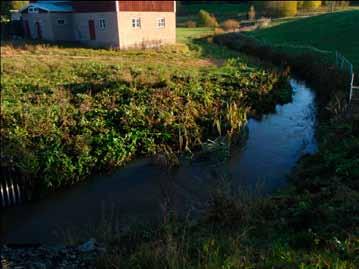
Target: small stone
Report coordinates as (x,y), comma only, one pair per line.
(89,246)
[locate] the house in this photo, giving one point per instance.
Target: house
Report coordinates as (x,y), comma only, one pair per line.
(121,24)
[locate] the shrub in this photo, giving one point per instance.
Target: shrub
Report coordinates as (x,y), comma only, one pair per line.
(277,8)
(311,5)
(264,22)
(218,31)
(191,24)
(207,19)
(231,25)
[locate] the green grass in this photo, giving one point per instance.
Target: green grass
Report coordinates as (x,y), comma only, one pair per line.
(336,31)
(186,35)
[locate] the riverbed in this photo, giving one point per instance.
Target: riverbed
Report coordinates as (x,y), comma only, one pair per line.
(143,192)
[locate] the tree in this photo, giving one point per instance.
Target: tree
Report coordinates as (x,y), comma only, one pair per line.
(277,8)
(207,19)
(311,5)
(231,25)
(6,6)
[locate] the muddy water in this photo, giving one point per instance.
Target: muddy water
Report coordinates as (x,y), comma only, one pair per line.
(141,191)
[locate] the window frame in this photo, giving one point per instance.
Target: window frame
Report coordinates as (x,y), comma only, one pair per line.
(33,10)
(102,24)
(136,23)
(61,24)
(161,23)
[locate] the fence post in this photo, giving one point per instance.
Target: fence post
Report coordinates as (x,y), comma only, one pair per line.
(351,88)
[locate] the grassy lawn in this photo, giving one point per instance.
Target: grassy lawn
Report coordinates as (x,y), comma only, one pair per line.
(186,35)
(337,31)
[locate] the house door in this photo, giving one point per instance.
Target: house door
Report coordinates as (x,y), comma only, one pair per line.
(92,30)
(38,30)
(27,29)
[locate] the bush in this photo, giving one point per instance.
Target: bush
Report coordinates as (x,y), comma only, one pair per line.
(311,5)
(191,24)
(264,22)
(231,25)
(333,5)
(218,31)
(277,8)
(207,19)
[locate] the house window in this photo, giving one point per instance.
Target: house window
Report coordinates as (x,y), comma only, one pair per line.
(102,23)
(161,23)
(136,23)
(61,22)
(33,10)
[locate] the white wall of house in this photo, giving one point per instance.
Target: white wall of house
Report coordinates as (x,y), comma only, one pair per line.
(106,32)
(44,19)
(62,26)
(150,32)
(112,29)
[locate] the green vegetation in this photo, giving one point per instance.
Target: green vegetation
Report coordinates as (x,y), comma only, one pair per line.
(207,20)
(217,8)
(336,31)
(103,108)
(187,35)
(7,6)
(311,5)
(311,224)
(277,8)
(222,12)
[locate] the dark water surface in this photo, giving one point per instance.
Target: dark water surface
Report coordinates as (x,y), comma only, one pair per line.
(140,190)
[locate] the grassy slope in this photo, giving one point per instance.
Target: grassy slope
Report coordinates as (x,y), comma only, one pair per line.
(337,31)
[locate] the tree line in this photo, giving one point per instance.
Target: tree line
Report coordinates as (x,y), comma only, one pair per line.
(7,6)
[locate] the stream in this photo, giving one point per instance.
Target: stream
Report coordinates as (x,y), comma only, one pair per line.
(142,192)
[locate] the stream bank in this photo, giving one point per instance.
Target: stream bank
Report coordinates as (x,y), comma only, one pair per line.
(139,191)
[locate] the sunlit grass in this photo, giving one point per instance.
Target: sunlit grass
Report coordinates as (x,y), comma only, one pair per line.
(333,31)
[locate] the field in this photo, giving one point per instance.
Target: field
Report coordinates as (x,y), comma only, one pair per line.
(337,31)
